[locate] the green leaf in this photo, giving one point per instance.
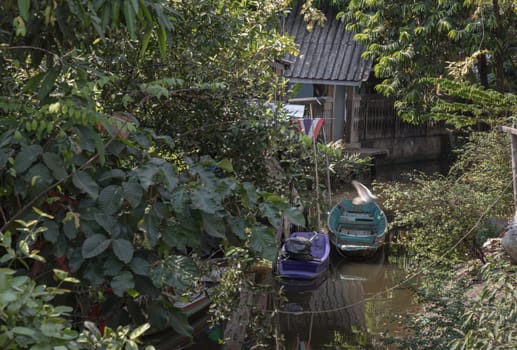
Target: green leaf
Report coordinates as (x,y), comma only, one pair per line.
(132,192)
(112,174)
(108,223)
(24,7)
(175,235)
(110,199)
(84,182)
(249,195)
(123,249)
(112,266)
(121,283)
(48,83)
(140,266)
(95,245)
(263,241)
(179,200)
(146,175)
(226,165)
(152,227)
(26,157)
(179,322)
(52,232)
(203,201)
(145,42)
(162,40)
(69,228)
(295,216)
(130,18)
(170,175)
(271,212)
(55,164)
(238,226)
(139,331)
(29,332)
(214,226)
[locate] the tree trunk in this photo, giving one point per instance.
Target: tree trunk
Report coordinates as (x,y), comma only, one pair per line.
(482,69)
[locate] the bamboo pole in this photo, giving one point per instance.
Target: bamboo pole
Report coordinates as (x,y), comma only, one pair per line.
(316,175)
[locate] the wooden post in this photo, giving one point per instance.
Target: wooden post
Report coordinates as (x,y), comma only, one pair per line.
(513,133)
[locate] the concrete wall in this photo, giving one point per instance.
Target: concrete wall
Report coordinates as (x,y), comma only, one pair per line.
(411,148)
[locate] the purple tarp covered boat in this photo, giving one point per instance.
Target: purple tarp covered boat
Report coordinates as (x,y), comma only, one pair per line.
(304,255)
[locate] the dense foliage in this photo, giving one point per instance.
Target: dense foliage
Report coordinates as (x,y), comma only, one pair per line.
(431,213)
(88,189)
(413,41)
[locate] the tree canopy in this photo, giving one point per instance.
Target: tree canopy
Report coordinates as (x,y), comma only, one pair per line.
(413,43)
(124,133)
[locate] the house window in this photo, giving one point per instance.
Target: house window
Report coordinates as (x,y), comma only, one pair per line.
(319,90)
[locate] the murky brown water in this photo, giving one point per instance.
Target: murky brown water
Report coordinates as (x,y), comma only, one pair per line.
(358,300)
(352,304)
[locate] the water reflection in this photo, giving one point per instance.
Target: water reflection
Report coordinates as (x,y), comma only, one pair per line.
(348,307)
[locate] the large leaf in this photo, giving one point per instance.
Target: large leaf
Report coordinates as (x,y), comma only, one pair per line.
(146,175)
(249,195)
(152,227)
(140,266)
(112,266)
(112,174)
(177,237)
(123,250)
(84,182)
(122,282)
(69,228)
(180,200)
(26,157)
(108,223)
(214,226)
(48,83)
(263,241)
(237,226)
(271,212)
(295,216)
(39,177)
(170,175)
(204,201)
(55,164)
(132,192)
(51,233)
(95,245)
(110,199)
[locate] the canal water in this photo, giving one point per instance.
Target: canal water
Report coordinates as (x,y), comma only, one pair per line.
(349,308)
(359,300)
(356,301)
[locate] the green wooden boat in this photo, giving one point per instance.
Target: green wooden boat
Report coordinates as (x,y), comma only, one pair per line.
(357,229)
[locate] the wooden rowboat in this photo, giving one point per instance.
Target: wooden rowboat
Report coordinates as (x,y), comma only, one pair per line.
(357,229)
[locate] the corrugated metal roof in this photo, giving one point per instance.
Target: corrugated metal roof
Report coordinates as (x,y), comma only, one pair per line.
(328,54)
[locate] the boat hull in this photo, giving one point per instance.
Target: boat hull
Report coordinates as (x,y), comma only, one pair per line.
(289,268)
(357,230)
